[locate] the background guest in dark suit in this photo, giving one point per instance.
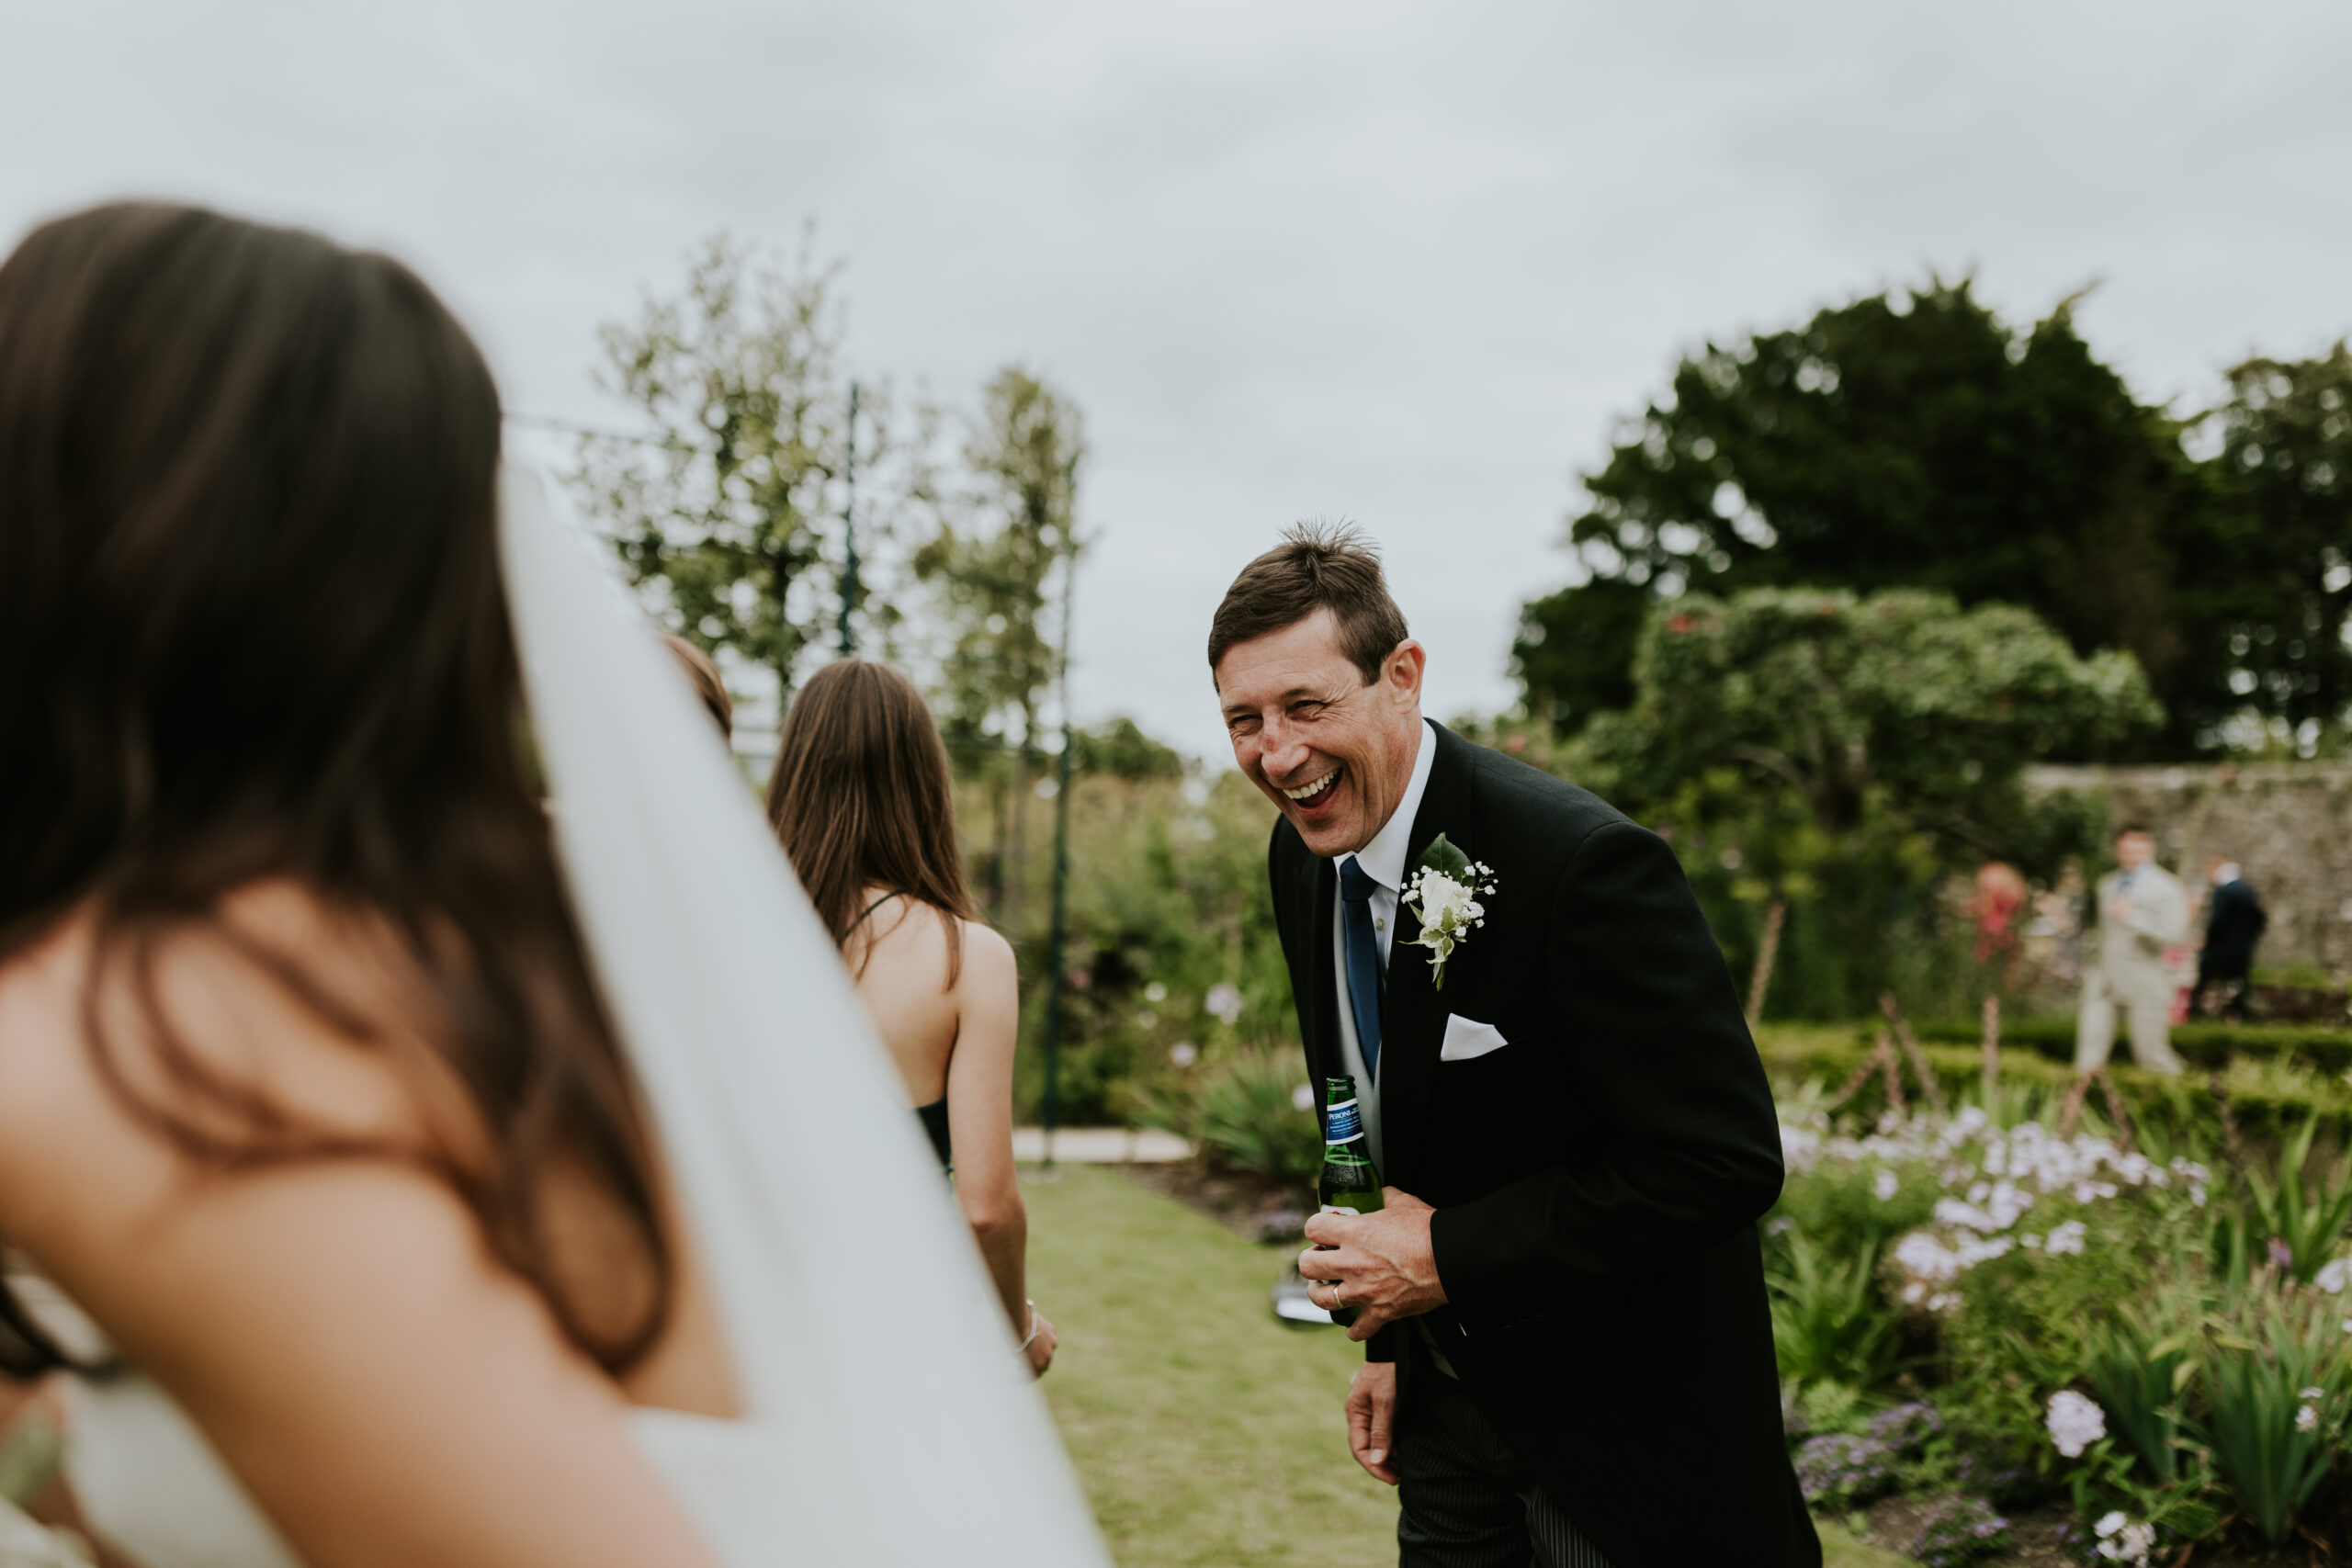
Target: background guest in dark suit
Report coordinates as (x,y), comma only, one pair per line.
(2234,922)
(1569,1353)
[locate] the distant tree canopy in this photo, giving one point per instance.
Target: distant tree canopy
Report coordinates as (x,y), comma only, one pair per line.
(2283,540)
(991,558)
(997,544)
(1121,749)
(726,514)
(1844,755)
(1914,440)
(1900,704)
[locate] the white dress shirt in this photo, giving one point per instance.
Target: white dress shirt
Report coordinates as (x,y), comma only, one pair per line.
(1384,860)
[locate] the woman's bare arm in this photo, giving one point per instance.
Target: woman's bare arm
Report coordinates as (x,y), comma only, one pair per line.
(979,1113)
(386,1390)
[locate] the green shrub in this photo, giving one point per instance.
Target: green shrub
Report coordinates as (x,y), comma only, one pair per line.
(2140,1366)
(1830,1323)
(1249,1121)
(2304,1217)
(2275,1412)
(2296,978)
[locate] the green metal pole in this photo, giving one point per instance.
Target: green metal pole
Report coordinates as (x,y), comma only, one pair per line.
(848,532)
(1055,961)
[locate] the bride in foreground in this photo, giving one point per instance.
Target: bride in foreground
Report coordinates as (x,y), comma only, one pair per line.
(437,1194)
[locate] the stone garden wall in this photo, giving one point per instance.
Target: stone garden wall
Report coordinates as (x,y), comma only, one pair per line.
(2289,824)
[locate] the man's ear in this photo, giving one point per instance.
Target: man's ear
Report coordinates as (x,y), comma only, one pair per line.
(1402,674)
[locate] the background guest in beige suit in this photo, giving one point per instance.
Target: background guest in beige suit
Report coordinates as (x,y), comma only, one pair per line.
(2142,909)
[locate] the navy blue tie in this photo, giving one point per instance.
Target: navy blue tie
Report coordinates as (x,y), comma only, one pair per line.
(1363,959)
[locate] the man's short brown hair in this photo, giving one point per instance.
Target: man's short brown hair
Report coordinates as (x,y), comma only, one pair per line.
(1319,566)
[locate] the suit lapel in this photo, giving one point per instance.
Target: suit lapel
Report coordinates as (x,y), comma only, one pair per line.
(1318,897)
(1412,1010)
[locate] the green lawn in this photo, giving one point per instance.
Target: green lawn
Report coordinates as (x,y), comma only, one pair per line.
(1205,1432)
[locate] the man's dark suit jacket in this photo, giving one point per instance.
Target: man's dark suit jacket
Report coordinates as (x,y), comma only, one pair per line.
(2238,923)
(1597,1180)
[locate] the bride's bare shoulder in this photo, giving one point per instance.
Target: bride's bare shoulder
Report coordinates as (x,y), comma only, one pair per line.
(278,998)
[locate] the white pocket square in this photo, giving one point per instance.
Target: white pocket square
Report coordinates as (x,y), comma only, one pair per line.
(1466,1037)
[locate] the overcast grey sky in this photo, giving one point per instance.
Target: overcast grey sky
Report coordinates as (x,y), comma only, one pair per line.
(1406,264)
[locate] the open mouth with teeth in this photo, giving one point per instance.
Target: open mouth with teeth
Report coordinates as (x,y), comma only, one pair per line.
(1313,797)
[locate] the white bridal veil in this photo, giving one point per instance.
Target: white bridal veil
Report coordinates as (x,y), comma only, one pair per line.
(889,1420)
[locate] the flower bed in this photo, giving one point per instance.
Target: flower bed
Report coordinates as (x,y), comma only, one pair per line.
(1974,1310)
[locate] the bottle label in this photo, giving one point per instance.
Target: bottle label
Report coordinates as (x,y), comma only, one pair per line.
(1337,1209)
(1345,1124)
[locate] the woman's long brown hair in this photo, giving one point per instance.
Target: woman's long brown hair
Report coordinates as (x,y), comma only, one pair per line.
(253,629)
(860,798)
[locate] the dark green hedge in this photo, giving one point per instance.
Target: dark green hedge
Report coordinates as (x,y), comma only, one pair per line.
(2206,1045)
(2182,1110)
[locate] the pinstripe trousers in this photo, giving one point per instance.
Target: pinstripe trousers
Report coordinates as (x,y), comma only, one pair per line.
(1467,1502)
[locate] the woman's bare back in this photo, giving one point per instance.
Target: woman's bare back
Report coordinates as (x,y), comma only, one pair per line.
(901,956)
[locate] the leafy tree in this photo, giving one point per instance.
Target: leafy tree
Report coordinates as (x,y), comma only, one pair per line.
(1574,654)
(2285,549)
(1899,441)
(1845,754)
(990,562)
(728,516)
(1121,749)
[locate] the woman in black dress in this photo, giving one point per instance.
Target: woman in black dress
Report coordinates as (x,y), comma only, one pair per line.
(860,798)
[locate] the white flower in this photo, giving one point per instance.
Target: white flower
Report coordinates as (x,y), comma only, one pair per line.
(1155,992)
(1224,1003)
(1302,1096)
(2065,1238)
(1884,1186)
(2121,1540)
(2334,1276)
(1183,1053)
(1923,1258)
(2312,1393)
(1448,909)
(2307,1418)
(2075,1423)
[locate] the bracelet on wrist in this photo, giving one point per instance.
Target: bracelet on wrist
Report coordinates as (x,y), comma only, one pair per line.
(1031,1338)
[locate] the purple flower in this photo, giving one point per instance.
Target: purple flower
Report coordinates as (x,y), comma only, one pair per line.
(1905,1430)
(1840,1469)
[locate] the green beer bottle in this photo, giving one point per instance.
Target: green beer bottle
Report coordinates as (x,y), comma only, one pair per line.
(1349,1183)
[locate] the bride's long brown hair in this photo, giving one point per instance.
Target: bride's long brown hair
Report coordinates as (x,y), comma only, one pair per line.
(253,629)
(859,797)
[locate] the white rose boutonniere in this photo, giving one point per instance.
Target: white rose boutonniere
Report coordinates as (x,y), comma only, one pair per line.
(1443,893)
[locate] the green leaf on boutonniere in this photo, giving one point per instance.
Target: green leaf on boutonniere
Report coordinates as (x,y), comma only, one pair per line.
(1445,859)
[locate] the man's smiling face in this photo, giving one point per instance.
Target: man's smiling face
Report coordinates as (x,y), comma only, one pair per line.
(1333,753)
